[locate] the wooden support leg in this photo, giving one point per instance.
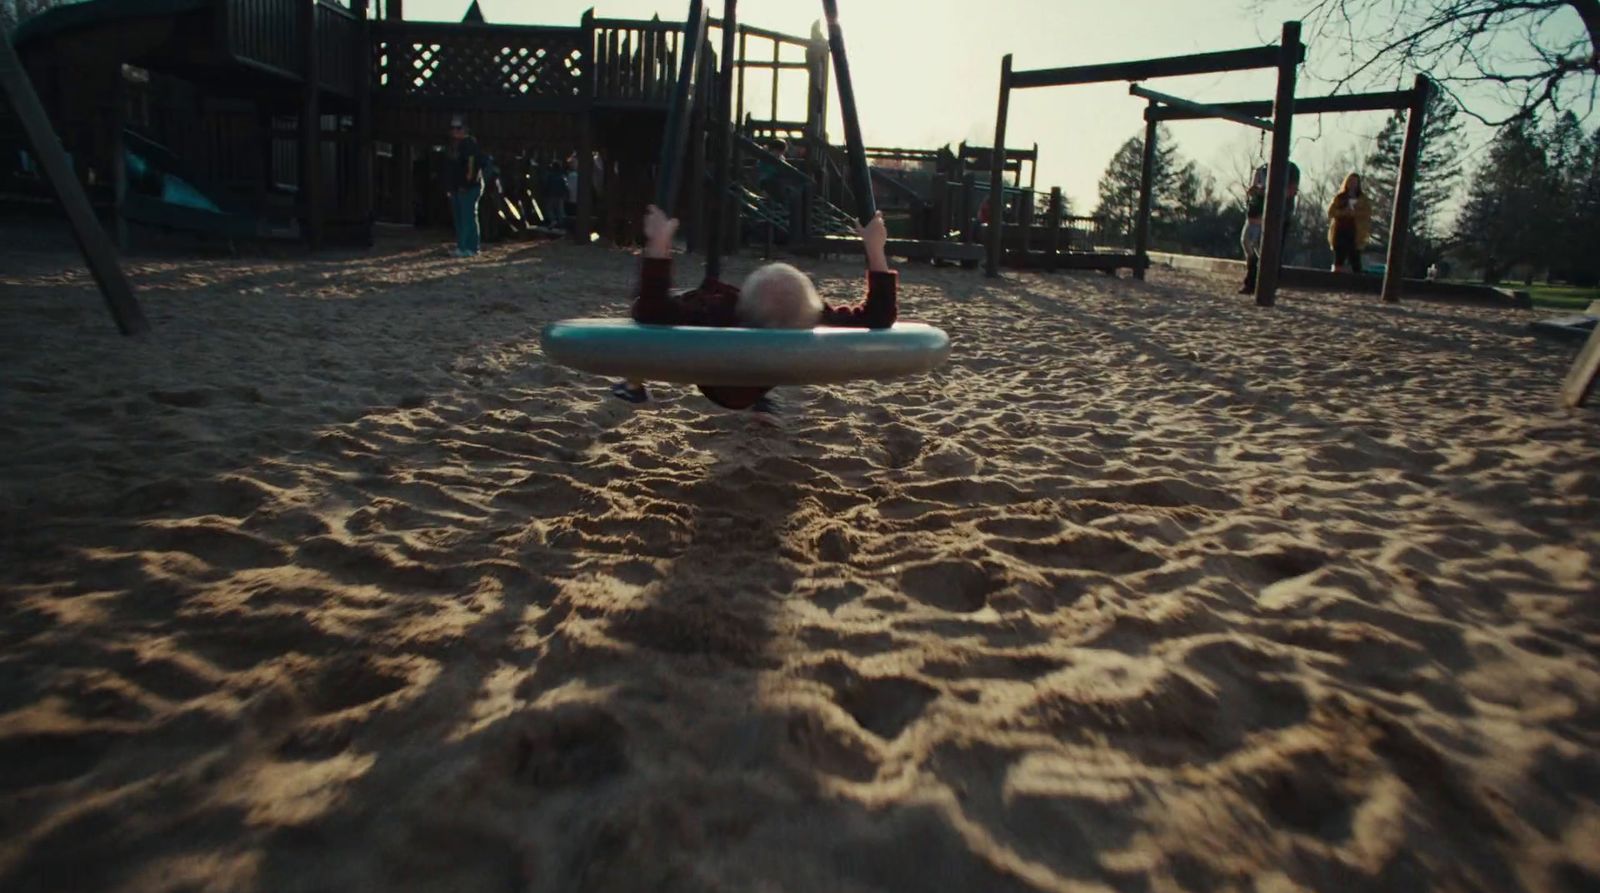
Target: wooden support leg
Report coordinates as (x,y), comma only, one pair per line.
(1141,225)
(97,250)
(585,221)
(1055,225)
(1289,54)
(997,204)
(1579,385)
(1400,222)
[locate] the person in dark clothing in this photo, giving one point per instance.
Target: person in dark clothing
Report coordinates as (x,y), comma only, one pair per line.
(775,296)
(1349,224)
(1255,204)
(465,186)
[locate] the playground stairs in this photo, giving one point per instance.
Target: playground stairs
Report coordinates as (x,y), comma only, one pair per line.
(757,209)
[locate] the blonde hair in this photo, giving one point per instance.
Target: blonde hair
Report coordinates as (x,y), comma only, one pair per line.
(778,296)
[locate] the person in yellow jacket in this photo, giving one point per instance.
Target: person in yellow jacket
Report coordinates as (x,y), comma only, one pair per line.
(1349,224)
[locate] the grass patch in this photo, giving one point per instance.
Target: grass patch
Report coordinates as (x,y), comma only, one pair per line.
(1550,297)
(1561,297)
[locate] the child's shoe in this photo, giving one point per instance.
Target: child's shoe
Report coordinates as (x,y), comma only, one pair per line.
(622,391)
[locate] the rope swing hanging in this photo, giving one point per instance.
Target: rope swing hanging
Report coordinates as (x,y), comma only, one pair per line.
(745,356)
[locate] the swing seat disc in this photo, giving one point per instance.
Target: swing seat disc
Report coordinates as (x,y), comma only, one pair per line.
(623,348)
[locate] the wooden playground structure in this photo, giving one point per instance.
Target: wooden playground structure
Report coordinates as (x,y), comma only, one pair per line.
(311,121)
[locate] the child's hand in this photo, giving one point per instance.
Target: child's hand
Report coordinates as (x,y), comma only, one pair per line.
(875,239)
(658,232)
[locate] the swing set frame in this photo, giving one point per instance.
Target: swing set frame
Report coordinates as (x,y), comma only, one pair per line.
(1275,116)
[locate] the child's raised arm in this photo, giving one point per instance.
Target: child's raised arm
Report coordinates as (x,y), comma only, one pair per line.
(658,232)
(875,241)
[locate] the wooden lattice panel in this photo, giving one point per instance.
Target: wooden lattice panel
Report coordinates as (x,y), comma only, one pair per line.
(511,64)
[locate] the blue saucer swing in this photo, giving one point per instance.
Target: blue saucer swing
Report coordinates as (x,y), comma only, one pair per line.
(623,348)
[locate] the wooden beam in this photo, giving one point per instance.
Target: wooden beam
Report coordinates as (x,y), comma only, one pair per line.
(1405,186)
(1141,224)
(1311,105)
(92,241)
(997,157)
(1144,69)
(1580,381)
(1290,53)
(1211,111)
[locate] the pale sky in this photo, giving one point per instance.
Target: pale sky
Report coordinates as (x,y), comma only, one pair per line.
(926,72)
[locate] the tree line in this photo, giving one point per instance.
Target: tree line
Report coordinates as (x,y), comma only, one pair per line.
(1531,208)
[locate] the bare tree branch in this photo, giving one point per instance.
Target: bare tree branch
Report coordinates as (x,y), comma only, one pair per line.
(1465,46)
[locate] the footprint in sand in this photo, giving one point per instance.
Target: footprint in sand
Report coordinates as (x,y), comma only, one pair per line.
(959,586)
(883,705)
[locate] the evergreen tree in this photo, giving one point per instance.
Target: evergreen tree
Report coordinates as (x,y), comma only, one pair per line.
(1566,152)
(1506,221)
(1586,216)
(1438,173)
(1119,185)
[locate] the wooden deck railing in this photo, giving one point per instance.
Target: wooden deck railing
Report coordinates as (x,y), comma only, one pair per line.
(468,63)
(635,61)
(338,31)
(264,34)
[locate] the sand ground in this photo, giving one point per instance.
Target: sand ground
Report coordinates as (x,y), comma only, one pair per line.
(332,584)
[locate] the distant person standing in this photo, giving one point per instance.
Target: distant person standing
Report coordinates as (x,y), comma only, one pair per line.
(1349,224)
(466,187)
(572,185)
(1255,204)
(553,195)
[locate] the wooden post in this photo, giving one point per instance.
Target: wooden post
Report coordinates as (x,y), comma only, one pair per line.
(744,55)
(1141,223)
(776,58)
(394,10)
(1272,224)
(408,183)
(1055,226)
(97,250)
(584,224)
(722,145)
(361,50)
(119,158)
(1405,186)
(997,165)
(310,126)
(969,189)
